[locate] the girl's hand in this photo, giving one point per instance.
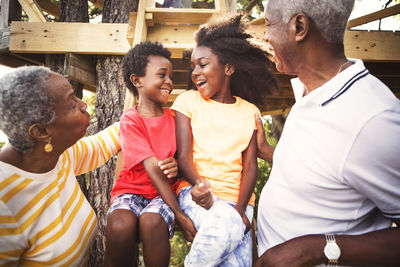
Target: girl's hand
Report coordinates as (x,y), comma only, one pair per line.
(202,195)
(169,167)
(244,218)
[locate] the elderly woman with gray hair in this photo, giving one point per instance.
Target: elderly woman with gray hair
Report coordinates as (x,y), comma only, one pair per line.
(44,217)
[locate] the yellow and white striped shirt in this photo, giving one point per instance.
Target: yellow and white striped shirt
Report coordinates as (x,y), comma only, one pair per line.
(45,220)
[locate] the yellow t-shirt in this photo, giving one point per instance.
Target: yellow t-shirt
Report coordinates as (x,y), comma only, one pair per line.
(221,132)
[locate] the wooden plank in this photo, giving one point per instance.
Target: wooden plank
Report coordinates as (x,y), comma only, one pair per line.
(180,15)
(63,37)
(98,3)
(174,34)
(140,27)
(387,12)
(33,10)
(81,68)
(372,46)
(130,33)
(50,8)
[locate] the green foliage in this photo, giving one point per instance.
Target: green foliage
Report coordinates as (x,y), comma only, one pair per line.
(264,168)
(179,248)
(2,144)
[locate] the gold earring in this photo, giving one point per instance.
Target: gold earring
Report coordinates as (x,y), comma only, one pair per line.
(48,147)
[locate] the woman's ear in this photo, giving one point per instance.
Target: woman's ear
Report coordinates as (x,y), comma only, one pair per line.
(299,27)
(135,80)
(39,132)
(229,69)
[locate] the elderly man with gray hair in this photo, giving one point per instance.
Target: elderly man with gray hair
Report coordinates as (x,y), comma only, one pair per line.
(333,195)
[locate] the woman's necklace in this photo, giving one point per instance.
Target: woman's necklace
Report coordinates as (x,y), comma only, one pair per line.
(340,69)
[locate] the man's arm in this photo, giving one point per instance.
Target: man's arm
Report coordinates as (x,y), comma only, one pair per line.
(378,248)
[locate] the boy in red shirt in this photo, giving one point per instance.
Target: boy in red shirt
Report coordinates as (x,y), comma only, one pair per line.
(144,205)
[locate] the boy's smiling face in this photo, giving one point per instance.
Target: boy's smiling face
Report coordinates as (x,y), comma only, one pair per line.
(156,85)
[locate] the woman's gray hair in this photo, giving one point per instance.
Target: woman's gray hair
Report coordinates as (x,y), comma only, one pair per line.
(24,100)
(329,16)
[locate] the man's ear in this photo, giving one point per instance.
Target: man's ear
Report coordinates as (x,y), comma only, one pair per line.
(300,27)
(39,132)
(229,69)
(135,80)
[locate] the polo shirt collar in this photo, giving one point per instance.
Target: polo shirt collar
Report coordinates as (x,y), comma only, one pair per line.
(333,88)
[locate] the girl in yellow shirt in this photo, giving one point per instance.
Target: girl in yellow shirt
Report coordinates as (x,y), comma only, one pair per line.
(216,142)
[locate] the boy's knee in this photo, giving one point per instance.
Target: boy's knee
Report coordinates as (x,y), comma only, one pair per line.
(121,224)
(151,222)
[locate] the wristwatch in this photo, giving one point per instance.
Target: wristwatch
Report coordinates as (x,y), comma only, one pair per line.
(331,250)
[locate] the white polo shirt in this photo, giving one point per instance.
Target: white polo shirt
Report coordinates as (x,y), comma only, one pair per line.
(337,165)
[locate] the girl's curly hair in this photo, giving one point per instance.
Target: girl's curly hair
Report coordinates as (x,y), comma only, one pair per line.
(227,38)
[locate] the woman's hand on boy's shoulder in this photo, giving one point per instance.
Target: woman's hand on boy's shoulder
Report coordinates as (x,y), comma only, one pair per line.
(169,167)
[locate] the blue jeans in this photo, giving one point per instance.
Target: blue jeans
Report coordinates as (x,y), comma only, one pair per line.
(220,238)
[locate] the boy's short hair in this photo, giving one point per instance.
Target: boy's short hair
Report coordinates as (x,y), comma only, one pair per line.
(136,59)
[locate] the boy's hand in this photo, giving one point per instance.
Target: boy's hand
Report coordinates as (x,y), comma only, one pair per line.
(169,167)
(202,195)
(188,229)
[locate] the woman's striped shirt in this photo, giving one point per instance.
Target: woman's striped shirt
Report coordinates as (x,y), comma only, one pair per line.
(45,220)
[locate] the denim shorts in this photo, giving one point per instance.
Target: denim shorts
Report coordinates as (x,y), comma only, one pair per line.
(139,205)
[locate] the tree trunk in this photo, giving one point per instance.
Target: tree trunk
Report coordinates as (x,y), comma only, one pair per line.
(71,11)
(109,107)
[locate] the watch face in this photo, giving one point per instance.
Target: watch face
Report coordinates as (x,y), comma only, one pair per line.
(332,251)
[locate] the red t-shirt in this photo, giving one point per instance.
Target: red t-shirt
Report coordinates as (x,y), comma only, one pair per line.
(141,138)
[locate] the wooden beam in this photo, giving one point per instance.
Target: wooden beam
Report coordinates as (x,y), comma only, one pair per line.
(180,15)
(387,12)
(372,46)
(140,33)
(98,3)
(64,37)
(33,10)
(130,32)
(50,8)
(81,68)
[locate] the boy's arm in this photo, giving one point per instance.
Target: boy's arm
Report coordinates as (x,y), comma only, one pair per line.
(249,178)
(162,185)
(184,140)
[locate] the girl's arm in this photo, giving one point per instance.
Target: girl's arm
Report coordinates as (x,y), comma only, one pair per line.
(184,143)
(249,178)
(162,185)
(201,192)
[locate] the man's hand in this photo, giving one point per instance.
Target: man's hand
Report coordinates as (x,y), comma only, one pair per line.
(169,167)
(298,252)
(188,229)
(202,195)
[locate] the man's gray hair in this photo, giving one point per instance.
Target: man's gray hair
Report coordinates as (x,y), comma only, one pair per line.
(24,100)
(329,16)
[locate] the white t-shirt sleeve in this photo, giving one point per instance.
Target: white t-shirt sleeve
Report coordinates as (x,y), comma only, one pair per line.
(373,163)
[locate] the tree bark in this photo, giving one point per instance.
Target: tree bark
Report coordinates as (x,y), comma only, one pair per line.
(71,11)
(109,107)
